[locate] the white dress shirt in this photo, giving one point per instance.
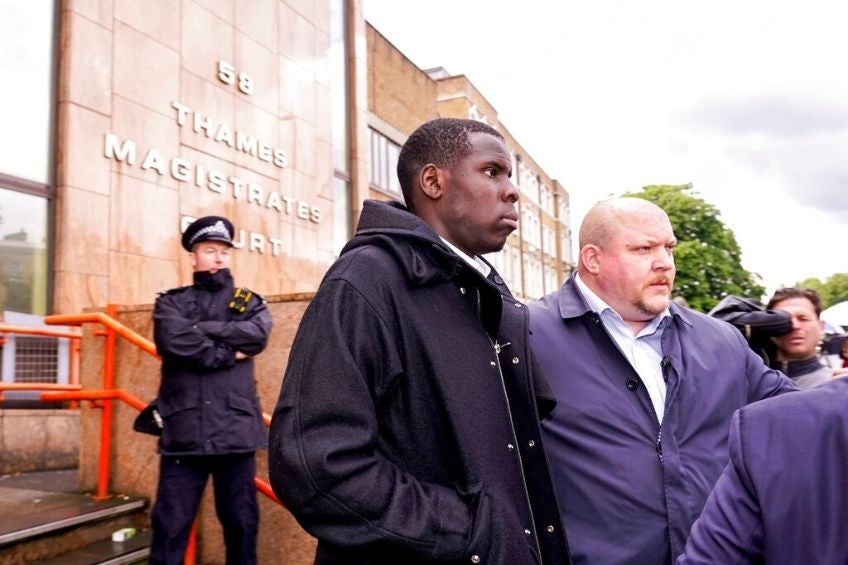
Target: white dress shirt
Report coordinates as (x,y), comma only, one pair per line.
(475,261)
(643,350)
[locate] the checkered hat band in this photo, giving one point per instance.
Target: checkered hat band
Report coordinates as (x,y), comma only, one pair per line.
(217,228)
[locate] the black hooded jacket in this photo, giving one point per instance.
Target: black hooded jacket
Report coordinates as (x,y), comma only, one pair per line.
(407,428)
(206,398)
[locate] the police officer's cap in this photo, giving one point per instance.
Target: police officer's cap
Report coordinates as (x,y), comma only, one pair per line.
(208,228)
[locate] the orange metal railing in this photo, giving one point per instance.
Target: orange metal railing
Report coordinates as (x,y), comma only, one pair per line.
(102,398)
(73,367)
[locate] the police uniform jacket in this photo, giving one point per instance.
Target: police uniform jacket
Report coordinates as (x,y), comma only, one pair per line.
(207,399)
(783,499)
(630,487)
(407,428)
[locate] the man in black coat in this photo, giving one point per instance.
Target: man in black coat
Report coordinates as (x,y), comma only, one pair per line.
(407,428)
(207,334)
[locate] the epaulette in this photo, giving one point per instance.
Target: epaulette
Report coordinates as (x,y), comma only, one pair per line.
(176,290)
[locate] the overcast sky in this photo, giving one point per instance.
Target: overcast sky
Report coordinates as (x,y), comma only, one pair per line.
(747,100)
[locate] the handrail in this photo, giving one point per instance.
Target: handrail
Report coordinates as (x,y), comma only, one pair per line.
(36,386)
(100,318)
(73,369)
(46,332)
(119,328)
(109,393)
(113,394)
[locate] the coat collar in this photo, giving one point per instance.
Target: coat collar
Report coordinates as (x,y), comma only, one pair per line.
(425,258)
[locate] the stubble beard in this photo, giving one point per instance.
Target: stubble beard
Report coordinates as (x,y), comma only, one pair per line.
(651,310)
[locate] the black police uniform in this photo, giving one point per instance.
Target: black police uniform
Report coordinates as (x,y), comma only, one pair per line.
(212,420)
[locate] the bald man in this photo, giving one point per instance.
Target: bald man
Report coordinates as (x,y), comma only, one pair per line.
(645,391)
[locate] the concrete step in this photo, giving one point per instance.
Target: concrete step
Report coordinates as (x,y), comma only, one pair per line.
(107,552)
(38,523)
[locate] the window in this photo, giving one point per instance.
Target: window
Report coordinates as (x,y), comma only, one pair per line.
(383,164)
(548,240)
(26,112)
(26,99)
(23,252)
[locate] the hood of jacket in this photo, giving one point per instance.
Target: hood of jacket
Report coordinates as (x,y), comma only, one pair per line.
(409,239)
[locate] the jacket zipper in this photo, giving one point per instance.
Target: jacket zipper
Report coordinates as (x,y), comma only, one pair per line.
(497,348)
(664,365)
(517,450)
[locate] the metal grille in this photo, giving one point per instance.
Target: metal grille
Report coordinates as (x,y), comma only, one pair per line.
(36,359)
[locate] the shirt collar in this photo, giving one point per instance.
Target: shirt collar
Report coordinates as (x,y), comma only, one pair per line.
(479,265)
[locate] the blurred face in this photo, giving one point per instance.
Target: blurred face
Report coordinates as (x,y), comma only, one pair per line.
(210,256)
(635,268)
(801,342)
(477,209)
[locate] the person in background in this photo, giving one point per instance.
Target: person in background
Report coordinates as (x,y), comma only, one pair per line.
(645,391)
(782,500)
(797,354)
(844,353)
(407,428)
(207,334)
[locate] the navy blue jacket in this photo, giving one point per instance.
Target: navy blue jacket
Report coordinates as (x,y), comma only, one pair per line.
(783,499)
(407,428)
(630,489)
(206,398)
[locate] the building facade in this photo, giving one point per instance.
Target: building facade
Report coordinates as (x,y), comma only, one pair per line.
(125,120)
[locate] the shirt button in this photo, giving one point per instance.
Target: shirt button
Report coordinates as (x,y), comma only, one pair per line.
(549,529)
(462,290)
(492,363)
(475,559)
(531,443)
(510,446)
(518,304)
(515,360)
(498,280)
(527,532)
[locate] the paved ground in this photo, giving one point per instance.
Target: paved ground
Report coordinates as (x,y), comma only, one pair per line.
(63,480)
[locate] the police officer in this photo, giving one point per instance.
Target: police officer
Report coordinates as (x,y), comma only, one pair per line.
(207,334)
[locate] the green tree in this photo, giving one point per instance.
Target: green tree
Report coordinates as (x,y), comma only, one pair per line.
(707,256)
(832,291)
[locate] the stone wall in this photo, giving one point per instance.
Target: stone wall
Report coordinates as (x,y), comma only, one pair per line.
(38,440)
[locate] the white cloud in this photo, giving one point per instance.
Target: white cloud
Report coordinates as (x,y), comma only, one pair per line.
(746,100)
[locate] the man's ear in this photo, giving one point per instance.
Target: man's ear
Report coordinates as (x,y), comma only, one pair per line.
(590,256)
(431,180)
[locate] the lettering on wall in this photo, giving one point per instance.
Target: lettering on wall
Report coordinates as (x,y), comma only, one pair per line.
(128,152)
(227,75)
(251,240)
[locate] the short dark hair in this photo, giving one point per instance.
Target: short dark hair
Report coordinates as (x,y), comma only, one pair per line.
(443,142)
(794,292)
